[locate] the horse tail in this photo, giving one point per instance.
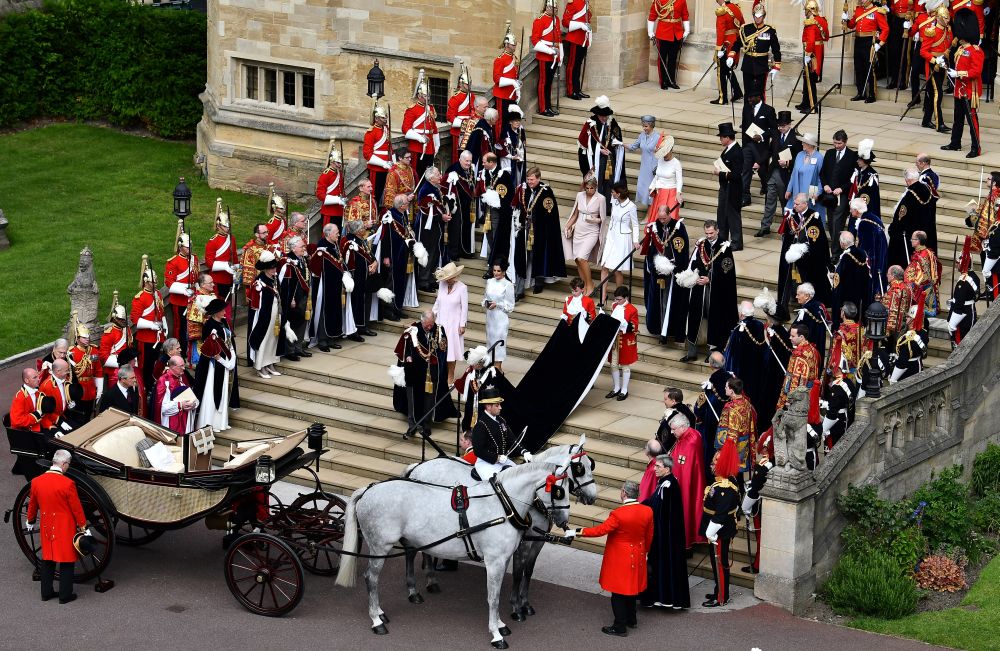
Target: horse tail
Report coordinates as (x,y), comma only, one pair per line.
(346,575)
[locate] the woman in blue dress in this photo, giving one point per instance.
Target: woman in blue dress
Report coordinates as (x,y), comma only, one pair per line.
(805,176)
(646,144)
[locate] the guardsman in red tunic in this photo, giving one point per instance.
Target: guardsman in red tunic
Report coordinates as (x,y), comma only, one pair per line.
(629,529)
(728,20)
(968,78)
(871,31)
(916,68)
(220,257)
(579,35)
(546,39)
(26,410)
(669,24)
(803,365)
(330,188)
(420,129)
(377,149)
(506,85)
(461,107)
(277,213)
(935,41)
(116,338)
(150,321)
(899,18)
(55,504)
(87,369)
(978,8)
(815,33)
(180,278)
(625,351)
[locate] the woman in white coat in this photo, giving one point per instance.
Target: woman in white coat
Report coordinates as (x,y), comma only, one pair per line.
(498,300)
(622,237)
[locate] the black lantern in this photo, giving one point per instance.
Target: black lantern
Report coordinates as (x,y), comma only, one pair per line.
(264,472)
(182,200)
(376,82)
(876,318)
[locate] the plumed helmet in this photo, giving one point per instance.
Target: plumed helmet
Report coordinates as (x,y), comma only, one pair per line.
(965,26)
(184,240)
(727,463)
(943,13)
(181,238)
(117,310)
(380,112)
(508,37)
(759,10)
(76,328)
(146,273)
(221,213)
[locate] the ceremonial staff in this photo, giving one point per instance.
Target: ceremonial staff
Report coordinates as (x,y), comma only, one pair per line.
(902,59)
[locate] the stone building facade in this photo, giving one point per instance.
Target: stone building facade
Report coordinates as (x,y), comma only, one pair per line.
(284,76)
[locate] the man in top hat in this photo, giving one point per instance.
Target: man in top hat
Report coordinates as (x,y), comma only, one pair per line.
(579,35)
(935,39)
(968,79)
(330,188)
(377,151)
(730,197)
(506,84)
(728,20)
(962,315)
(668,25)
(916,210)
(179,276)
(758,41)
(87,368)
(815,34)
(665,246)
(460,188)
(493,442)
(511,146)
(756,149)
(546,39)
(461,107)
(718,520)
(785,146)
(871,31)
(174,406)
(420,129)
(55,504)
(220,256)
(602,153)
(431,226)
(150,322)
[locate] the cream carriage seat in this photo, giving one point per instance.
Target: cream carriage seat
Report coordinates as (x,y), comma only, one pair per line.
(120,445)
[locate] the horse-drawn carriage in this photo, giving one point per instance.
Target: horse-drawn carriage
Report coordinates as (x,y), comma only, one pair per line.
(137,480)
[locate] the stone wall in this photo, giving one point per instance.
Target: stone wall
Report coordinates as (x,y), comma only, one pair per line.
(941,417)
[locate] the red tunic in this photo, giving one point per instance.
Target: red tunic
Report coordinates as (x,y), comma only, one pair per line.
(275,233)
(55,502)
(577,11)
(969,60)
(330,184)
(149,306)
(629,529)
(24,411)
(113,342)
(670,16)
(221,248)
(377,148)
(504,66)
(902,8)
(180,271)
(87,368)
(689,469)
(545,29)
(934,42)
(421,120)
(870,22)
(728,20)
(251,253)
(628,348)
(49,387)
(461,106)
(588,306)
(815,32)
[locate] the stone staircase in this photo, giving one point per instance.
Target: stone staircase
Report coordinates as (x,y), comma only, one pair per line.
(350,392)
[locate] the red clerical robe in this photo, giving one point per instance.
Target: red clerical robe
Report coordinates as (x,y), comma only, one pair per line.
(54,498)
(629,529)
(168,412)
(689,469)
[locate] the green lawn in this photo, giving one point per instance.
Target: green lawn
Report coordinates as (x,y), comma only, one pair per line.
(68,186)
(973,625)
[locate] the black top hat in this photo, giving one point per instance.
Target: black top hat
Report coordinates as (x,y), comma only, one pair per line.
(490,396)
(784,117)
(84,543)
(965,26)
(127,356)
(217,305)
(726,129)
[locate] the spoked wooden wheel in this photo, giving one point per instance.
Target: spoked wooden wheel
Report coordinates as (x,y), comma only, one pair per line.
(135,535)
(317,531)
(99,522)
(264,574)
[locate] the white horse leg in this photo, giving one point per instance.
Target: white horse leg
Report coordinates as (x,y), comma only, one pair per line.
(495,570)
(411,579)
(371,580)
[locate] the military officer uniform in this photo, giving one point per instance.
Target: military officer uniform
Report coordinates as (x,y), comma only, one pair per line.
(871,31)
(759,42)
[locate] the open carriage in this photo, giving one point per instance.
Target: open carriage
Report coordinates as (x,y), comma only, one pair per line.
(137,480)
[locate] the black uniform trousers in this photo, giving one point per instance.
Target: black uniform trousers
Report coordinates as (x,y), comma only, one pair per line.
(864,68)
(965,113)
(668,55)
(623,607)
(574,70)
(725,77)
(720,568)
(423,162)
(933,95)
(755,83)
(896,66)
(916,69)
(47,572)
(378,184)
(180,325)
(545,74)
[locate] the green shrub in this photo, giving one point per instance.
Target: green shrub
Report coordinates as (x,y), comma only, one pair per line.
(945,518)
(986,514)
(104,60)
(986,471)
(881,526)
(871,585)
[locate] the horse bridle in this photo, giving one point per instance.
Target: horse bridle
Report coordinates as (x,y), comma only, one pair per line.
(577,470)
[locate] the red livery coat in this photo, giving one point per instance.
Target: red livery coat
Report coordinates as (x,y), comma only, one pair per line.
(628,349)
(504,66)
(629,529)
(869,21)
(377,146)
(50,387)
(55,502)
(221,248)
(815,33)
(588,306)
(149,306)
(25,413)
(179,270)
(421,119)
(969,60)
(545,28)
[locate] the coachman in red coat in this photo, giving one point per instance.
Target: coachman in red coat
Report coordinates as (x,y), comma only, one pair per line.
(629,529)
(56,505)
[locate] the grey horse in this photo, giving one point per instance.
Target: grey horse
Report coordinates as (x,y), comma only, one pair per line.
(418,515)
(451,471)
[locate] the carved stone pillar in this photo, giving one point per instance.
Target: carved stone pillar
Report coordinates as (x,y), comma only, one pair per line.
(84,296)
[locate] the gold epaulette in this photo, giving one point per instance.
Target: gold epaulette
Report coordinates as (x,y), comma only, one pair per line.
(724,483)
(108,329)
(137,295)
(883,10)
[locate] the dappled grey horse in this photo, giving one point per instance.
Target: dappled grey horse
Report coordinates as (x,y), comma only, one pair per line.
(451,471)
(414,514)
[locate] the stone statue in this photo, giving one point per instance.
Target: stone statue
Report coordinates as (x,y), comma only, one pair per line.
(791,431)
(84,294)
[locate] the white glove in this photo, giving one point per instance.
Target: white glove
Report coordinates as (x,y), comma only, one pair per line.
(941,61)
(906,24)
(146,324)
(952,73)
(502,459)
(720,54)
(507,81)
(878,46)
(87,532)
(387,218)
(845,16)
(773,73)
(806,59)
(712,537)
(234,269)
(544,48)
(527,456)
(650,28)
(571,533)
(575,25)
(452,177)
(29,525)
(386,164)
(730,61)
(986,11)
(747,505)
(687,28)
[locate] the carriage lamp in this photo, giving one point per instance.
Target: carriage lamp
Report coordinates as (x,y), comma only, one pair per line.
(376,82)
(265,470)
(876,319)
(182,200)
(316,434)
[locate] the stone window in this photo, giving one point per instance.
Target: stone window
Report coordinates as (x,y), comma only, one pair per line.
(278,85)
(437,88)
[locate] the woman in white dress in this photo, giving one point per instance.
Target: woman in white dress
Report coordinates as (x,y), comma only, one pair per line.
(498,299)
(667,186)
(622,237)
(584,232)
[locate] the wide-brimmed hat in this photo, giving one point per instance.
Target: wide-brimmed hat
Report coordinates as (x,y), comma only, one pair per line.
(448,272)
(784,117)
(490,396)
(726,129)
(217,305)
(602,106)
(665,145)
(809,139)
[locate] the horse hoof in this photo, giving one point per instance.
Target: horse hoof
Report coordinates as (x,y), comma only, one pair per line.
(528,610)
(434,588)
(518,616)
(505,630)
(380,630)
(416,598)
(500,644)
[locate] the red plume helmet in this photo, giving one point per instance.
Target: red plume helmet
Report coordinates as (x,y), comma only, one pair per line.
(727,464)
(966,259)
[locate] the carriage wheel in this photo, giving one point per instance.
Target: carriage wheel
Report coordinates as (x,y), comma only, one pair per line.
(318,531)
(98,520)
(264,574)
(135,535)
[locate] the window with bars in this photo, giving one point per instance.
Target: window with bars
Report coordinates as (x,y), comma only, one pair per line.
(278,85)
(437,89)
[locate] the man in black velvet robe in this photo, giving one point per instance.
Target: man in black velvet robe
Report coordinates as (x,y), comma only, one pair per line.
(805,254)
(814,315)
(420,354)
(666,301)
(851,279)
(497,194)
(540,219)
(711,276)
(394,243)
(668,585)
(460,190)
(916,210)
(327,266)
(746,353)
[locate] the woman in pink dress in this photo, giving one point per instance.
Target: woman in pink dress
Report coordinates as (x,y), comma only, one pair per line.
(584,233)
(452,312)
